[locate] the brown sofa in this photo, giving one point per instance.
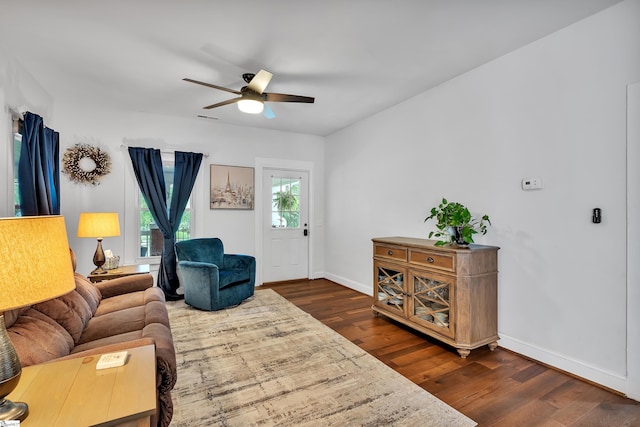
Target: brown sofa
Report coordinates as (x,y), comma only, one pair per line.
(100,318)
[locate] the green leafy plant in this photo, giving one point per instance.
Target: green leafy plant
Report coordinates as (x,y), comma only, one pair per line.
(455,224)
(287,205)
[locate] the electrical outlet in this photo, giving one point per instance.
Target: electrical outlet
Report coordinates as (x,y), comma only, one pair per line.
(531,184)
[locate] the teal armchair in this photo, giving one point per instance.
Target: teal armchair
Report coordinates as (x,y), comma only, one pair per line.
(213,280)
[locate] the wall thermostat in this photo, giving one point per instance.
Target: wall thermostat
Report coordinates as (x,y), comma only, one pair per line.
(531,184)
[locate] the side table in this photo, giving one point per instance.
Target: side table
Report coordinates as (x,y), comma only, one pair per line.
(70,393)
(122,271)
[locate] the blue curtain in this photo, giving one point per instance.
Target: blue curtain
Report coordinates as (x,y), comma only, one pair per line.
(39,168)
(147,166)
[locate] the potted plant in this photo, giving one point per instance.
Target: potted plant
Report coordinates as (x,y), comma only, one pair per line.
(455,224)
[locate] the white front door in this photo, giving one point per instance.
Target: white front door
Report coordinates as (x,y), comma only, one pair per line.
(285,224)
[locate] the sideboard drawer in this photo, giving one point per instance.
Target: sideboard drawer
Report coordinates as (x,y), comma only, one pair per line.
(433,260)
(391,252)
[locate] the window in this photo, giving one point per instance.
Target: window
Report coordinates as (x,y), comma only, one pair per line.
(285,208)
(150,236)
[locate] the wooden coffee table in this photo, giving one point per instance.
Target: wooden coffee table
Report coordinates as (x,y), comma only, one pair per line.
(122,271)
(71,393)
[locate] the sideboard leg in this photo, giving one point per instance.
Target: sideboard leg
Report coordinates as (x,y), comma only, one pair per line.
(493,345)
(463,352)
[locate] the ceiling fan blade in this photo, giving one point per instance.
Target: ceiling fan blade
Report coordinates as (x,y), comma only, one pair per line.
(220,104)
(213,86)
(268,112)
(260,81)
(281,97)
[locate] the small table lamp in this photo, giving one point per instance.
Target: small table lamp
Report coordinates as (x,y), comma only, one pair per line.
(36,266)
(98,225)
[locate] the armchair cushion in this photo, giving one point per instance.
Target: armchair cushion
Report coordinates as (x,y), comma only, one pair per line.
(233,276)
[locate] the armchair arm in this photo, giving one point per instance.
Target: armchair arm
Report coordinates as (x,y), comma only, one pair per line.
(238,261)
(198,272)
(197,266)
(124,285)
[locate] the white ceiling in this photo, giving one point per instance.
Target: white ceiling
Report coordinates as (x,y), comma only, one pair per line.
(357,57)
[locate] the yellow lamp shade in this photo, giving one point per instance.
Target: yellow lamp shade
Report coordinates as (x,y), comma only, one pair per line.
(98,224)
(34,259)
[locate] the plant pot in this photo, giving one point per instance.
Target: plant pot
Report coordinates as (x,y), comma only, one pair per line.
(457,237)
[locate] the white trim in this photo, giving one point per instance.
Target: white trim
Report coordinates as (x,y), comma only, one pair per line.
(574,366)
(356,286)
(633,241)
(10,207)
(294,165)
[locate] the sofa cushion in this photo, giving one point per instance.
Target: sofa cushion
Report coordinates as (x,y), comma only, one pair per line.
(124,321)
(108,340)
(37,338)
(132,299)
(11,316)
(90,293)
(70,310)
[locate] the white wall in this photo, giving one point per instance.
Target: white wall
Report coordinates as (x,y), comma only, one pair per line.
(227,145)
(555,109)
(110,129)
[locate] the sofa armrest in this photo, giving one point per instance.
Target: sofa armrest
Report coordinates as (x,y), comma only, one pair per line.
(124,285)
(111,348)
(165,356)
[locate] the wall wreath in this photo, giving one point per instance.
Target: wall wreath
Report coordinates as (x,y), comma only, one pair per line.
(85,164)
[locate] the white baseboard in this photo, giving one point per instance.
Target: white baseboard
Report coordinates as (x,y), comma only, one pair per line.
(365,289)
(573,366)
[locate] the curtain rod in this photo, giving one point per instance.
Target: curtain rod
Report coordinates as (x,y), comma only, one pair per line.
(167,150)
(17,113)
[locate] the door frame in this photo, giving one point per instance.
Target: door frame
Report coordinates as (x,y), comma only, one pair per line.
(261,164)
(633,241)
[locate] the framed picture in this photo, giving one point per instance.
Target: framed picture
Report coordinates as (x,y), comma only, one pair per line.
(231,187)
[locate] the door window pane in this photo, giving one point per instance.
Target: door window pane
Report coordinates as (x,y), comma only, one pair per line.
(285,207)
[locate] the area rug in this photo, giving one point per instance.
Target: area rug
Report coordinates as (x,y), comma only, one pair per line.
(268,363)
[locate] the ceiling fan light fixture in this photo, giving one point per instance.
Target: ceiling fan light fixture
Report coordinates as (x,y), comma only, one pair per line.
(251,106)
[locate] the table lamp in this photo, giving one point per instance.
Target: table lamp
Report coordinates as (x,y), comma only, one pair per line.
(36,266)
(98,225)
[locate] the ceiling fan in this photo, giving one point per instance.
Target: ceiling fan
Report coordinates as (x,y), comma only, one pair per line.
(252,96)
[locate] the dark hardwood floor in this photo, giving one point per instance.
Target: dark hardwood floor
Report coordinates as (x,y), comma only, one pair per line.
(496,388)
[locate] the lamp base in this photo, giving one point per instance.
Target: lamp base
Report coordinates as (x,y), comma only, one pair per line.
(99,270)
(13,410)
(99,259)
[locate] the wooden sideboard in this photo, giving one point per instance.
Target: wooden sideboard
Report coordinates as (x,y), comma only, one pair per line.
(447,292)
